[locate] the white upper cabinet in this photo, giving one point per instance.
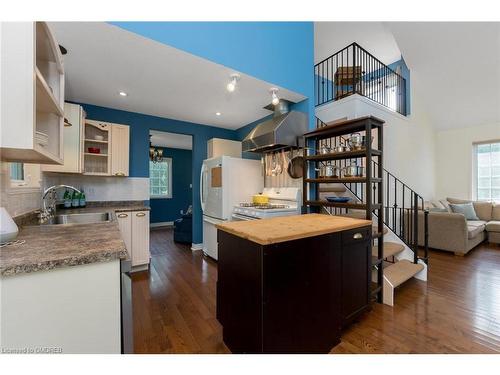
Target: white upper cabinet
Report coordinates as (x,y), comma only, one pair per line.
(32,94)
(219,147)
(73,141)
(105,148)
(120,139)
(96,148)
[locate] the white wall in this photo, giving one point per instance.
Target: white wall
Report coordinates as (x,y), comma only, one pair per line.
(454,159)
(409,151)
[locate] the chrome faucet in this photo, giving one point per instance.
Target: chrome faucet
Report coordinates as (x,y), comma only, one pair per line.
(49,211)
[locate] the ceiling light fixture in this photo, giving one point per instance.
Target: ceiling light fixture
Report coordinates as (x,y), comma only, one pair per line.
(123,93)
(217,113)
(275,100)
(231,86)
(155,154)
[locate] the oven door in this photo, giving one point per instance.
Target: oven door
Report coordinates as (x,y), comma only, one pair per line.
(239,217)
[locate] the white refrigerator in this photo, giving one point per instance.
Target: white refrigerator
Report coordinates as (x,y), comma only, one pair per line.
(225,182)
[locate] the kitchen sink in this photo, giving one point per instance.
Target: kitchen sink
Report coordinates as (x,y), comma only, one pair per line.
(85,218)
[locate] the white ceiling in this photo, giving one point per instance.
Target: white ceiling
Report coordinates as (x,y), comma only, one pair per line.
(331,37)
(160,80)
(458,66)
(171,140)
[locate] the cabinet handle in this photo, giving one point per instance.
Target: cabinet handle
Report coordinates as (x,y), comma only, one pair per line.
(357,236)
(140,214)
(122,215)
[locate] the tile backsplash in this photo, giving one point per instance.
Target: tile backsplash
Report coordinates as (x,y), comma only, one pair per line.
(99,188)
(17,200)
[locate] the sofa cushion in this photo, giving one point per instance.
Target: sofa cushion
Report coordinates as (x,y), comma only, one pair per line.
(437,209)
(474,228)
(484,210)
(495,213)
(467,209)
(445,204)
(493,226)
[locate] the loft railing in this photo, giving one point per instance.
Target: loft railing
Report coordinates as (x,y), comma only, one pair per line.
(353,70)
(402,205)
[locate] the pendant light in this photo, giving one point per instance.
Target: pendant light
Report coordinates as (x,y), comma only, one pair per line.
(155,154)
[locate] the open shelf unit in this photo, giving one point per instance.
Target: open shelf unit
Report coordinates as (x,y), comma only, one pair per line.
(33,114)
(371,181)
(96,164)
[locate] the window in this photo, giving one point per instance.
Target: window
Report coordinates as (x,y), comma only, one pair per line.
(160,179)
(17,172)
(487,171)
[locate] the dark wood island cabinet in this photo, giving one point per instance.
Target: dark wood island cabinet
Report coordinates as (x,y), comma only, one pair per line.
(289,284)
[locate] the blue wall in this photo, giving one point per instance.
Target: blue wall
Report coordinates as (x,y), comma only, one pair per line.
(141,124)
(281,53)
(277,52)
(405,72)
(168,209)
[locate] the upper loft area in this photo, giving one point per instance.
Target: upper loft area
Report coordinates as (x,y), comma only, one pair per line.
(353,70)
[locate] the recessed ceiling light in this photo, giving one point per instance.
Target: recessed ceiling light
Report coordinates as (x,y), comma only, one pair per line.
(123,93)
(217,113)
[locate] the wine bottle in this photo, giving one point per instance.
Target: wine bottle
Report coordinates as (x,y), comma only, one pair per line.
(83,203)
(75,200)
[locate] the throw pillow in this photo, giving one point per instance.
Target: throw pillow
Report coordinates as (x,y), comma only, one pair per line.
(437,209)
(466,209)
(445,204)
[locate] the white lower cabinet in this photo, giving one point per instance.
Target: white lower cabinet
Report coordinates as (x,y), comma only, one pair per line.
(134,227)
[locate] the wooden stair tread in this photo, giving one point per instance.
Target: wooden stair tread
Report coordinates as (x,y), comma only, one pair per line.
(401,271)
(390,249)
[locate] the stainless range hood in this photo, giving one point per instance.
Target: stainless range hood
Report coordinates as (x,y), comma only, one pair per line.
(279,132)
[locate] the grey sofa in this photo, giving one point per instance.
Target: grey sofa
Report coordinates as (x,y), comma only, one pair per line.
(451,232)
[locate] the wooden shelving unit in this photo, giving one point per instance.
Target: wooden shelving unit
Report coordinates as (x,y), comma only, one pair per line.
(371,182)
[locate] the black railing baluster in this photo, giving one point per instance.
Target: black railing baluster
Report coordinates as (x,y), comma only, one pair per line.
(372,79)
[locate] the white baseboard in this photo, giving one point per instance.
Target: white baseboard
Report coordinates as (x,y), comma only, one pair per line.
(161,224)
(197,246)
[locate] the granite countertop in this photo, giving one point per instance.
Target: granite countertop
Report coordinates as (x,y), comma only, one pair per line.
(48,247)
(287,228)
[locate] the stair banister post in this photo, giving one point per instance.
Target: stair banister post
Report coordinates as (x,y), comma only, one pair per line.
(426,234)
(415,228)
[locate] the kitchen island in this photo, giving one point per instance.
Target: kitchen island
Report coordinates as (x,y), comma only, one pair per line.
(289,284)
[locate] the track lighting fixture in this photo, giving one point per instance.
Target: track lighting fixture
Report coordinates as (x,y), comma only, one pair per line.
(231,86)
(275,100)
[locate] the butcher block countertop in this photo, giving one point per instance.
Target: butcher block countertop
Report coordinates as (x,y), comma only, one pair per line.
(287,228)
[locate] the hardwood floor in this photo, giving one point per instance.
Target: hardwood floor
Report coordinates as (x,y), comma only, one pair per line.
(456,311)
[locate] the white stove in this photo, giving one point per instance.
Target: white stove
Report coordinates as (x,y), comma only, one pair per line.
(282,202)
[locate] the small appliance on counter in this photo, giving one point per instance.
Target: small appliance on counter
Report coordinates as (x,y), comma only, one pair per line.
(8,228)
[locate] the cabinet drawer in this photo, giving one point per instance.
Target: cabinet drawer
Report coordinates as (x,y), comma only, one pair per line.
(356,235)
